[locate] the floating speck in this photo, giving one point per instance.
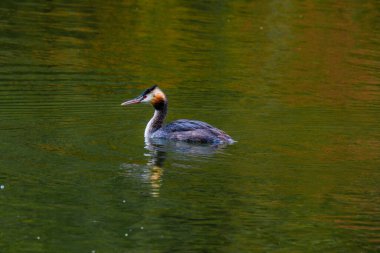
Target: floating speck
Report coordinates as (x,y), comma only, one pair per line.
(124,201)
(126,234)
(142,228)
(261,28)
(93,251)
(38,237)
(2,187)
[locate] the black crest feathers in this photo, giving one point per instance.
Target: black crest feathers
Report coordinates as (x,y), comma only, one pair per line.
(147,91)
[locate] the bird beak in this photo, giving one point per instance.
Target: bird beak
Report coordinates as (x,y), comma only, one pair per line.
(133,101)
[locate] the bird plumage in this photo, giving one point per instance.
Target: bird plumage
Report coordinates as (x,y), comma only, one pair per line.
(180,130)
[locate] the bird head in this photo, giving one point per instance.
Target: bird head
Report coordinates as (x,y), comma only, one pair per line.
(152,95)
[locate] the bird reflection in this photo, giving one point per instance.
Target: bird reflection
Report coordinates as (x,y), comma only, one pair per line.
(187,151)
(156,162)
(158,150)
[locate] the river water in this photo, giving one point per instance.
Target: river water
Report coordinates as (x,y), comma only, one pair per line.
(295,83)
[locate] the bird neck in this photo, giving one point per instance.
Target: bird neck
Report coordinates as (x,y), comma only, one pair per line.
(156,121)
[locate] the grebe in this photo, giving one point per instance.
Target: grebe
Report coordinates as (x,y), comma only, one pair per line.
(179,130)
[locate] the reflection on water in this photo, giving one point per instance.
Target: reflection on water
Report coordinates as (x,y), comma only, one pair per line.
(153,171)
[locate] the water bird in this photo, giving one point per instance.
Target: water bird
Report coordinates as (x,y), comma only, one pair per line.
(192,131)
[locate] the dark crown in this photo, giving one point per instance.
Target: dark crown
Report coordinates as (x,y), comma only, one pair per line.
(149,90)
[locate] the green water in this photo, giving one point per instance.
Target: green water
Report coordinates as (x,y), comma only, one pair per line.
(296,83)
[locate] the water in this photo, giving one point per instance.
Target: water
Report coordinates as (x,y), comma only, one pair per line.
(296,83)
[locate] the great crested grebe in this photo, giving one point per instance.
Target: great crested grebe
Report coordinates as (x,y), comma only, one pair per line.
(179,130)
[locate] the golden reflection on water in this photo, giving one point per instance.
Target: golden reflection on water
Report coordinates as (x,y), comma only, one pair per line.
(155,180)
(156,170)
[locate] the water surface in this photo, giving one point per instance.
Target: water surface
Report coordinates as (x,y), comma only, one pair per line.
(296,83)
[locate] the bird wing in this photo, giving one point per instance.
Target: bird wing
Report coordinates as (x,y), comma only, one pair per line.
(183,125)
(194,131)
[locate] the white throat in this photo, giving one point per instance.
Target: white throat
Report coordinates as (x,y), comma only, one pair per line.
(149,127)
